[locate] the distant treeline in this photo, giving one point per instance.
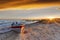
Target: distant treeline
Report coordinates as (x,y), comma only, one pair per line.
(45,21)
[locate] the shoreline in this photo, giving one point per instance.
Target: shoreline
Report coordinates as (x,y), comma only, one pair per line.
(35,32)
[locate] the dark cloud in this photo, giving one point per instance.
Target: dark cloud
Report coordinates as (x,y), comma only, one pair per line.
(14,3)
(48,0)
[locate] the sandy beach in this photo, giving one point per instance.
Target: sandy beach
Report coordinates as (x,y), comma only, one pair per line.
(35,31)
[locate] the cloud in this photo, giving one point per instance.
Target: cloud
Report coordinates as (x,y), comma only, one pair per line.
(37,13)
(14,3)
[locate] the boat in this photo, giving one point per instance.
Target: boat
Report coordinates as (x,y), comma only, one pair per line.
(13,26)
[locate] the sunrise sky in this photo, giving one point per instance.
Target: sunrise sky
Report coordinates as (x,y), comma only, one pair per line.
(16,9)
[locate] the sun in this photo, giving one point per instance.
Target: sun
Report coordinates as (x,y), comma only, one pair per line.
(51,18)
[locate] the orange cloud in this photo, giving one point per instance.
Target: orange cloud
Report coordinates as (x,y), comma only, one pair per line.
(26,3)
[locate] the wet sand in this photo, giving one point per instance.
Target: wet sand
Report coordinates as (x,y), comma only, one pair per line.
(35,32)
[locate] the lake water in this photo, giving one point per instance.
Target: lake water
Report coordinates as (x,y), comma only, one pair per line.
(6,24)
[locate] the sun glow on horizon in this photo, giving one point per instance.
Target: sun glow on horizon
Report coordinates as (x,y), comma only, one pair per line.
(51,18)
